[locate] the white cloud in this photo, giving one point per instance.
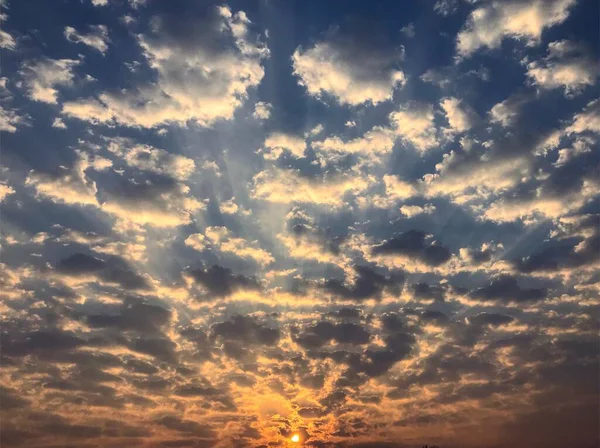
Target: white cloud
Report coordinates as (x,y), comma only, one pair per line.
(445,7)
(460,116)
(99,2)
(506,111)
(568,64)
(286,187)
(414,123)
(5,191)
(198,77)
(220,238)
(277,142)
(10,119)
(58,123)
(72,186)
(376,141)
(155,205)
(408,30)
(413,210)
(262,110)
(7,41)
(587,120)
(41,77)
(148,158)
(494,21)
(97,38)
(352,74)
(315,131)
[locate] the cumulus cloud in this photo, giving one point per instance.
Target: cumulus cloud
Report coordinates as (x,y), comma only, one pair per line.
(286,187)
(159,202)
(586,121)
(10,120)
(414,123)
(568,64)
(96,38)
(205,62)
(5,191)
(460,116)
(41,77)
(148,158)
(262,110)
(413,210)
(353,68)
(491,22)
(278,142)
(376,141)
(69,185)
(415,244)
(7,41)
(508,110)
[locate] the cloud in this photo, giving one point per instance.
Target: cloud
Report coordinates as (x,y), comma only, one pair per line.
(245,330)
(319,334)
(508,110)
(375,142)
(413,210)
(278,142)
(414,123)
(568,64)
(507,289)
(5,191)
(205,61)
(445,7)
(7,41)
(286,187)
(160,202)
(351,67)
(69,185)
(97,37)
(41,77)
(489,24)
(262,110)
(11,119)
(148,158)
(58,123)
(460,116)
(220,281)
(586,121)
(414,244)
(221,238)
(408,30)
(113,271)
(368,284)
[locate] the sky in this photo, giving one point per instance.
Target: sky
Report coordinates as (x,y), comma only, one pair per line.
(276,223)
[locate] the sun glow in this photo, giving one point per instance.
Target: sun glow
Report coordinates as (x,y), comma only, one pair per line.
(295,438)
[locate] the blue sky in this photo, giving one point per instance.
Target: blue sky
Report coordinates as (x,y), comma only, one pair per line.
(365,223)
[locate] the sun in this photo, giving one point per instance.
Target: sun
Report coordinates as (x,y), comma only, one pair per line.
(295,438)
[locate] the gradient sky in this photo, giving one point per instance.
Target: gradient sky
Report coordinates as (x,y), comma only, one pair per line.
(367,223)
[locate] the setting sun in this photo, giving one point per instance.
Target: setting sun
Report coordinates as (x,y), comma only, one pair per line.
(295,438)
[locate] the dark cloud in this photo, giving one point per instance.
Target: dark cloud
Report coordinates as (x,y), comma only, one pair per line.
(187,427)
(114,270)
(368,284)
(140,317)
(506,289)
(245,329)
(321,333)
(415,244)
(221,282)
(426,291)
